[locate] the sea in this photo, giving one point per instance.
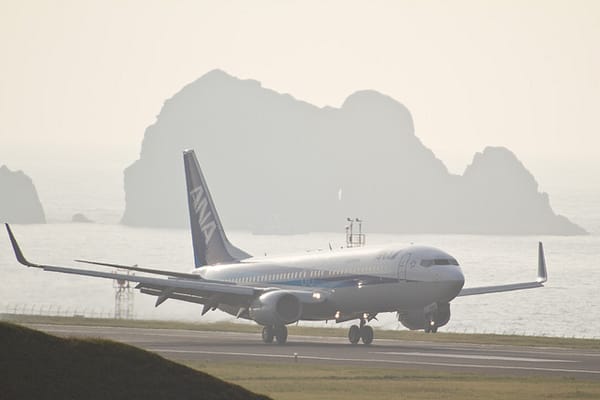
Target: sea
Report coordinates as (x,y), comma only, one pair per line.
(569,305)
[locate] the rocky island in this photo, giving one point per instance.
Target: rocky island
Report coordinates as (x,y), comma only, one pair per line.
(276,164)
(19,202)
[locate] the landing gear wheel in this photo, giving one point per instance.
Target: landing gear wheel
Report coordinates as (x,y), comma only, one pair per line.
(430,327)
(366,334)
(281,334)
(354,334)
(267,334)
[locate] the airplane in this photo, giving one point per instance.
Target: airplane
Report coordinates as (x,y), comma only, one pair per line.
(349,284)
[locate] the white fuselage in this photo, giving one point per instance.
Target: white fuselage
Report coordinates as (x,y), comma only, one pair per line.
(359,280)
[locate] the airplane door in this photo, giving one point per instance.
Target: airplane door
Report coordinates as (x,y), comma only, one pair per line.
(402,265)
(306,280)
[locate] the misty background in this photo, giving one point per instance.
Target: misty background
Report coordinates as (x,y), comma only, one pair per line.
(80,81)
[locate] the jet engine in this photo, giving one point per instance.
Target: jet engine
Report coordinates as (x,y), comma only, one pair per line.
(276,308)
(421,318)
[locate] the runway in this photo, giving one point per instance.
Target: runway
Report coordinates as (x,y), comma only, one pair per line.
(185,345)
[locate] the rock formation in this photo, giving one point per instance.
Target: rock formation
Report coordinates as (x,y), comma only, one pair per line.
(19,202)
(275,164)
(81,218)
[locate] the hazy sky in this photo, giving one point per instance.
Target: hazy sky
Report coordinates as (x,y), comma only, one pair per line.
(81,80)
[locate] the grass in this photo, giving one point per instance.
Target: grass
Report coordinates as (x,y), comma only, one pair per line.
(295,381)
(35,365)
(441,337)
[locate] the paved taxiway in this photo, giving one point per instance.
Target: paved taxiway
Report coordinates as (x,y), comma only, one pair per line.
(182,345)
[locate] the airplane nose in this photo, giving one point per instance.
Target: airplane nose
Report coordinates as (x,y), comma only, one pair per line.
(453,281)
(458,276)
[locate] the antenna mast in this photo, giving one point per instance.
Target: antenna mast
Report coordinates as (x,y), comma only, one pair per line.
(355,239)
(123,298)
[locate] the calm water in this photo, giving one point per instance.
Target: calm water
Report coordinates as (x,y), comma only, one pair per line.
(568,306)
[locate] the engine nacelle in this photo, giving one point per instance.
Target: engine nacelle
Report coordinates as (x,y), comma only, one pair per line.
(276,308)
(418,318)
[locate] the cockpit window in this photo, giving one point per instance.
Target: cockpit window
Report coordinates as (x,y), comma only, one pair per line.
(438,261)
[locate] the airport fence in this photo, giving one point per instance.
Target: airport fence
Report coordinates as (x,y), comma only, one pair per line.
(51,310)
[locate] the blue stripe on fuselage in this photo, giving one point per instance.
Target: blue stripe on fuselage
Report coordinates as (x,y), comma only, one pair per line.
(333,282)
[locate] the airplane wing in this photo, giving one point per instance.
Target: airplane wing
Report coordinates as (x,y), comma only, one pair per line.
(542,277)
(179,286)
(135,268)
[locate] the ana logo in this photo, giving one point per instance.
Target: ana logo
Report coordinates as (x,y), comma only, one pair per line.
(203,213)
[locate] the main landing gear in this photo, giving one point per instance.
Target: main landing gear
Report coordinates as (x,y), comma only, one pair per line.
(279,333)
(364,332)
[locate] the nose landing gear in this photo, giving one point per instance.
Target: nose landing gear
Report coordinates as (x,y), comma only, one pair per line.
(433,313)
(430,326)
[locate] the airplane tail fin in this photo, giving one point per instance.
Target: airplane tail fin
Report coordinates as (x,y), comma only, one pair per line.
(210,244)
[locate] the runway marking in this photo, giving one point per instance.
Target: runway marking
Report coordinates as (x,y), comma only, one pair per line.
(74,329)
(136,332)
(437,364)
(501,348)
(468,356)
(142,333)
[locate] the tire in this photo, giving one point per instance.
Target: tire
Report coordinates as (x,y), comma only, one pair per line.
(267,334)
(281,334)
(354,334)
(366,334)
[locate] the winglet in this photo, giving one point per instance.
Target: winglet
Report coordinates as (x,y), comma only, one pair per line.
(18,253)
(542,272)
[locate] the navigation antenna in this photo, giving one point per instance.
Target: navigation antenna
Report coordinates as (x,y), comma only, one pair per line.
(355,239)
(123,298)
